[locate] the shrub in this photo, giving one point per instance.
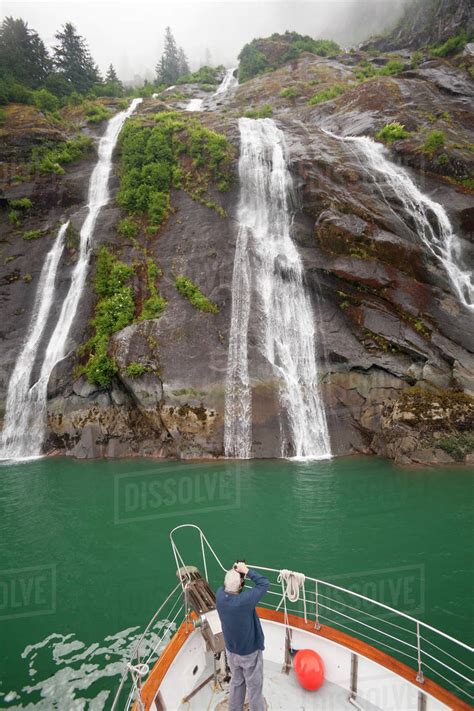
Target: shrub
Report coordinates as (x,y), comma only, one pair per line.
(251,62)
(100,368)
(264,111)
(21,204)
(154,306)
(134,370)
(127,228)
(14,217)
(194,295)
(153,161)
(458,445)
(394,131)
(114,310)
(290,92)
(19,94)
(75,99)
(2,116)
(451,46)
(327,94)
(44,100)
(260,56)
(49,159)
(95,113)
(416,58)
(208,76)
(392,68)
(434,140)
(32,234)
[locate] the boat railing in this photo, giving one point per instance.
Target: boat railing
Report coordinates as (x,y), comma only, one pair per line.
(424,648)
(147,649)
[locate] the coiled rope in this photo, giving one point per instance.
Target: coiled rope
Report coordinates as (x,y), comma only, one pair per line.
(294,581)
(291,583)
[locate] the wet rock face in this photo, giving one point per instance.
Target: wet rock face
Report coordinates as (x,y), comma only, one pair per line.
(426,22)
(387,319)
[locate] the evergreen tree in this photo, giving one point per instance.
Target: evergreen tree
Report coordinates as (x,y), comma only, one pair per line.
(183,63)
(73,60)
(113,86)
(111,76)
(167,69)
(23,56)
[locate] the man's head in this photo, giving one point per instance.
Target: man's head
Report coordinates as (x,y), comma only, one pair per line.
(232,581)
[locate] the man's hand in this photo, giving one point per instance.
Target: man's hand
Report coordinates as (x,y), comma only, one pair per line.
(241,568)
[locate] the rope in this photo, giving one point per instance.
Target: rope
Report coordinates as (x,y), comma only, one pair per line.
(294,581)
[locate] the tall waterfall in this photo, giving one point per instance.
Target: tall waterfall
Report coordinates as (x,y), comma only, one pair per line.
(25,417)
(267,261)
(21,402)
(432,224)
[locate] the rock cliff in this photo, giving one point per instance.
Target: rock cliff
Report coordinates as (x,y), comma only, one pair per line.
(396,340)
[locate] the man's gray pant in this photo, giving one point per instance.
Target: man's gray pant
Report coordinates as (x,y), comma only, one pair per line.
(247,673)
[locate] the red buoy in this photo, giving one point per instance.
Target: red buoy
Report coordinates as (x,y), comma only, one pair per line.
(309,669)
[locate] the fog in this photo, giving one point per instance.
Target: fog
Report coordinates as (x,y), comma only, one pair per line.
(130,34)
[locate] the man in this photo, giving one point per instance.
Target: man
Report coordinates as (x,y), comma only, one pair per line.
(243,635)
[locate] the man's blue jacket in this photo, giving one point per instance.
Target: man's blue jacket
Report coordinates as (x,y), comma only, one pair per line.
(242,630)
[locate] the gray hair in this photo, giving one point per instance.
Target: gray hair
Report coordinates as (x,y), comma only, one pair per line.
(232,581)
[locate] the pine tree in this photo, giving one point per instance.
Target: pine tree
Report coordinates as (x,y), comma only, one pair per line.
(167,69)
(113,86)
(23,55)
(183,63)
(111,75)
(73,60)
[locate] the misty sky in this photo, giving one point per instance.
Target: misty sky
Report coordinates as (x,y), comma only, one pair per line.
(130,34)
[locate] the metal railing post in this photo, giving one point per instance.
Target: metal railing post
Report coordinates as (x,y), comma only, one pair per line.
(317,625)
(419,677)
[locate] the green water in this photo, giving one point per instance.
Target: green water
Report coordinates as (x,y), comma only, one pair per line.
(85,556)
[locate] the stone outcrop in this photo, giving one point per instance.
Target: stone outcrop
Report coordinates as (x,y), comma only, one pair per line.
(389,325)
(426,22)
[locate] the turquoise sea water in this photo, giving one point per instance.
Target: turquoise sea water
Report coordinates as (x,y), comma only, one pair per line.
(85,557)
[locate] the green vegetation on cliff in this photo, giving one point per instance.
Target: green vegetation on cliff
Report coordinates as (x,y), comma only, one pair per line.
(267,54)
(194,295)
(51,158)
(114,310)
(154,306)
(391,132)
(207,76)
(327,94)
(451,46)
(264,111)
(177,151)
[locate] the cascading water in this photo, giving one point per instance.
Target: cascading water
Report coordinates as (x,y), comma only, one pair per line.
(19,413)
(195,105)
(25,417)
(267,259)
(432,224)
(228,83)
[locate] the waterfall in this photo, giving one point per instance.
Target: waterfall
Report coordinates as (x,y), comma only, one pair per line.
(432,224)
(195,105)
(25,418)
(267,261)
(228,82)
(21,403)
